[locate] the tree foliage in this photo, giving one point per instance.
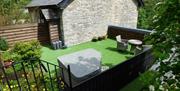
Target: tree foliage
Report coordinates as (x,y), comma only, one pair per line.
(146,13)
(166,44)
(12,11)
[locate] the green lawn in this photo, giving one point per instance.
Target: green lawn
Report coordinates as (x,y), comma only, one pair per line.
(110,55)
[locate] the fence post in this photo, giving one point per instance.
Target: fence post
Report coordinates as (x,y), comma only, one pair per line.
(70,81)
(7,80)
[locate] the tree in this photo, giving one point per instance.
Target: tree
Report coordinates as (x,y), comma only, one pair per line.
(146,13)
(166,44)
(11,11)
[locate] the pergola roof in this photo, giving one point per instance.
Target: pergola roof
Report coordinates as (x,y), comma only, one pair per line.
(49,14)
(42,3)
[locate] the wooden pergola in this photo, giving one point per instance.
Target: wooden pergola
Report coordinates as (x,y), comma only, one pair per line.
(48,13)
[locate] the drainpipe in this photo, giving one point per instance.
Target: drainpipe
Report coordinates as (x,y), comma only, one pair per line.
(60,28)
(63,5)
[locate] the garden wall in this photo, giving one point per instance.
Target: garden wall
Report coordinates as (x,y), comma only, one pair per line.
(26,32)
(127,33)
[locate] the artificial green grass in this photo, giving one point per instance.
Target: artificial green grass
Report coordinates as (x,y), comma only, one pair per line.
(110,55)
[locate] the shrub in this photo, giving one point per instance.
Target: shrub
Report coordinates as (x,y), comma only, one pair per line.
(13,10)
(6,56)
(100,38)
(9,56)
(95,39)
(3,44)
(105,37)
(27,50)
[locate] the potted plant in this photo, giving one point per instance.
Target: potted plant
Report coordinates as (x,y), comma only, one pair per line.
(6,59)
(100,38)
(95,39)
(105,37)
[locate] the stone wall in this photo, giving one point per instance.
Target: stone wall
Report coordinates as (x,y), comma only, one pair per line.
(84,19)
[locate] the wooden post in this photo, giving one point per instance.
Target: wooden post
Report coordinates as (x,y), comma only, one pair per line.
(70,81)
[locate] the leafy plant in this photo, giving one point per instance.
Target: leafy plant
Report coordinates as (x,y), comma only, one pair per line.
(3,44)
(146,14)
(12,11)
(166,45)
(6,56)
(27,50)
(15,57)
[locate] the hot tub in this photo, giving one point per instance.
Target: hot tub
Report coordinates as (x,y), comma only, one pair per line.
(83,65)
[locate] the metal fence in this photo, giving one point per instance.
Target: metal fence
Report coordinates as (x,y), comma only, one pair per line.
(28,76)
(45,76)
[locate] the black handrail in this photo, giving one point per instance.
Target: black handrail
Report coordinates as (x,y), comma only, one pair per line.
(26,74)
(50,77)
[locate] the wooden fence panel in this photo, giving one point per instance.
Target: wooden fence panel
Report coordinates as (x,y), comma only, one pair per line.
(27,32)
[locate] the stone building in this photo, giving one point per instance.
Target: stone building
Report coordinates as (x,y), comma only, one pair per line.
(79,21)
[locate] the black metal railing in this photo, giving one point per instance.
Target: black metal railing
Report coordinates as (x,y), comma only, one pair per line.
(45,76)
(29,76)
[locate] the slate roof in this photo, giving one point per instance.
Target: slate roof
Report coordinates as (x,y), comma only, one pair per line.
(39,3)
(49,14)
